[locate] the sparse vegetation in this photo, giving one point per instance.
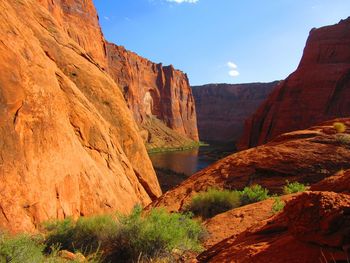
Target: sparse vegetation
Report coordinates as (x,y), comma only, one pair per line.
(278,205)
(343,138)
(213,202)
(185,147)
(253,194)
(339,127)
(294,187)
(128,238)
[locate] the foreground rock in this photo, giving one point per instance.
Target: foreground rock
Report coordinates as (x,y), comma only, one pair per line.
(314,227)
(318,90)
(306,156)
(236,221)
(226,107)
(69,145)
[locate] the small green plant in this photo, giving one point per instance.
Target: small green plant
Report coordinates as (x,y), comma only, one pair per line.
(21,249)
(295,187)
(278,205)
(339,127)
(253,194)
(213,202)
(343,138)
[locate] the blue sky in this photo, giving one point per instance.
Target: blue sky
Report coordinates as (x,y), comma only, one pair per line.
(216,41)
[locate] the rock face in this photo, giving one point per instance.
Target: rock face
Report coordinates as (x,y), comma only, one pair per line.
(313,227)
(306,156)
(69,145)
(80,21)
(318,90)
(153,91)
(226,107)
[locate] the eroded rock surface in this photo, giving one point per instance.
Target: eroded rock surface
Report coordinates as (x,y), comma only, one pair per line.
(314,227)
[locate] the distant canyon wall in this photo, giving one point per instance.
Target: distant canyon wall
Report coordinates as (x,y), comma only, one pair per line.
(318,90)
(223,108)
(154,91)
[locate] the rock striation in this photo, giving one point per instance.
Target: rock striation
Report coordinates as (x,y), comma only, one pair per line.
(318,90)
(226,107)
(69,145)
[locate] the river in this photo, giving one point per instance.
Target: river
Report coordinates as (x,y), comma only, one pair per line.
(174,167)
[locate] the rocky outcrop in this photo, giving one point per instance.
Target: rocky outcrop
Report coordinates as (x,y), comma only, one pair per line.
(307,156)
(154,91)
(226,107)
(318,90)
(69,145)
(314,227)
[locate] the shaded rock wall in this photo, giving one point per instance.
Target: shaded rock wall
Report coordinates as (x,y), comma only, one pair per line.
(318,90)
(226,107)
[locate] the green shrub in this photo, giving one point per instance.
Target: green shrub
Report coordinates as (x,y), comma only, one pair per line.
(343,138)
(127,238)
(87,234)
(278,205)
(291,188)
(213,202)
(253,194)
(156,234)
(20,249)
(339,127)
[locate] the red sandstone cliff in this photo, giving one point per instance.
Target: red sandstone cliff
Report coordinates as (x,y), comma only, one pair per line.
(154,91)
(150,89)
(226,107)
(69,145)
(318,90)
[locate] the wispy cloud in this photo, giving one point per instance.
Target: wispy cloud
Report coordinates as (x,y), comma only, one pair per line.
(233,72)
(183,1)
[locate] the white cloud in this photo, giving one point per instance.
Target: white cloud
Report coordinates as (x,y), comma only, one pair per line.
(183,1)
(233,69)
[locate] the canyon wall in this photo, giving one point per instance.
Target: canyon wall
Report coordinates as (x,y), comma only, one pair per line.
(69,144)
(318,90)
(154,91)
(226,107)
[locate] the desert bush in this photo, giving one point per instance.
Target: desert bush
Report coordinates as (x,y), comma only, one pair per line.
(253,194)
(213,202)
(157,233)
(295,187)
(339,127)
(87,234)
(127,238)
(278,205)
(343,138)
(21,249)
